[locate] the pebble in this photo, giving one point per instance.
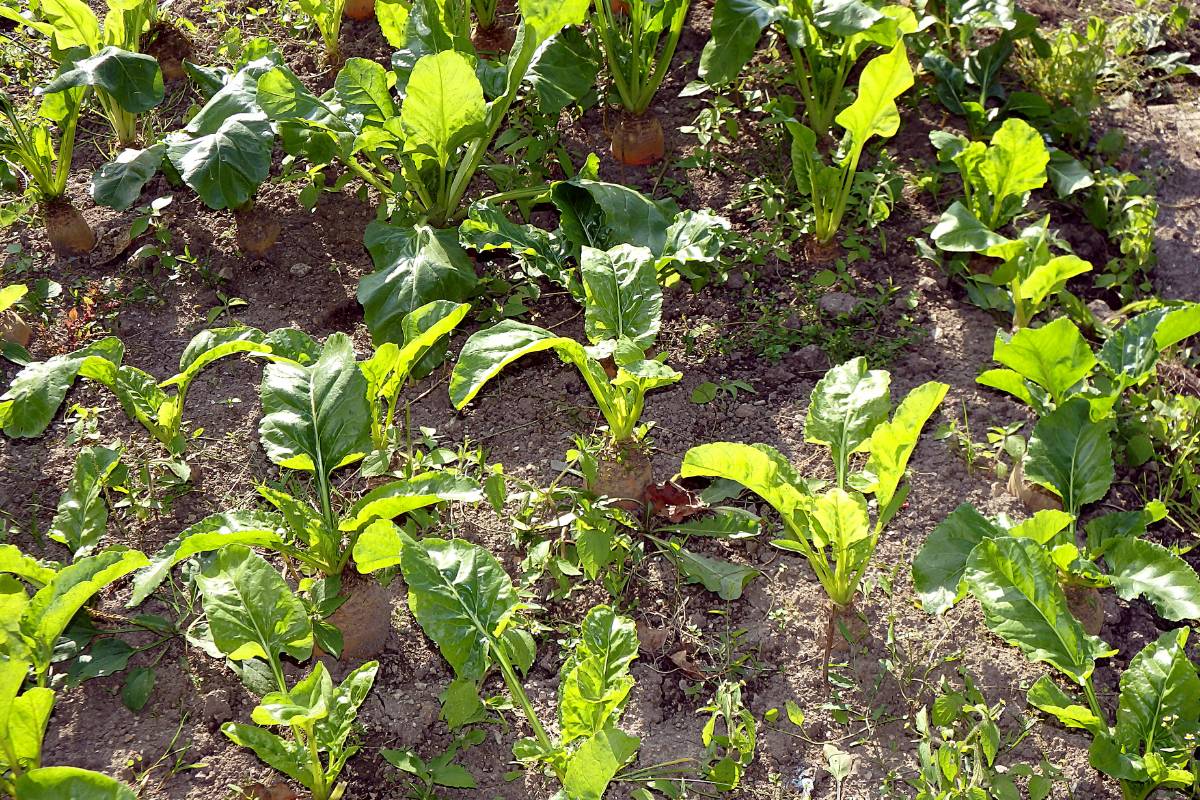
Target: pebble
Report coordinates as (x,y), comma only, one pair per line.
(745,411)
(300,269)
(837,303)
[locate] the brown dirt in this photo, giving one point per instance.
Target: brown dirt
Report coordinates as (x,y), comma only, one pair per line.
(525,420)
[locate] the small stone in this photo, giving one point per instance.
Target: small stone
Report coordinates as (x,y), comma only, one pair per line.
(838,303)
(300,269)
(735,280)
(1100,309)
(745,411)
(927,284)
(216,708)
(810,358)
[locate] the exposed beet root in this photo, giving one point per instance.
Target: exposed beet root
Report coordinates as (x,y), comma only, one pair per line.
(821,252)
(623,472)
(360,10)
(170,46)
(67,230)
(14,329)
(365,620)
(638,141)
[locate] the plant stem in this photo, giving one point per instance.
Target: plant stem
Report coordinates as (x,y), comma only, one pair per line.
(518,693)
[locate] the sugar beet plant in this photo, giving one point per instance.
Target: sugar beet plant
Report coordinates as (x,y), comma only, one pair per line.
(831,527)
(622,315)
(825,40)
(467,604)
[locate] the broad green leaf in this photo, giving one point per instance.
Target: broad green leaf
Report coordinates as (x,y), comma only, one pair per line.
(26,567)
(119,183)
(1017,586)
(38,390)
(55,604)
(213,344)
(25,726)
(1007,380)
(544,18)
(333,730)
(844,18)
(874,112)
(70,783)
(846,406)
(362,88)
(539,253)
(443,106)
(839,520)
(1180,323)
(1071,455)
(1067,175)
(400,497)
(10,295)
(226,165)
(737,25)
(596,763)
(892,442)
(132,79)
(1043,526)
(1046,696)
(379,546)
(73,23)
(303,704)
(285,755)
(316,418)
(595,681)
(461,597)
(725,579)
(563,71)
(82,515)
(1055,356)
(413,266)
(489,351)
(251,611)
(1140,567)
(604,215)
(622,295)
(1102,529)
(1049,278)
(761,469)
(960,231)
(1160,698)
(251,528)
(1015,162)
(939,567)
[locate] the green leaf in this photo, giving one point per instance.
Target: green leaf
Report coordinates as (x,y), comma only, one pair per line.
(544,18)
(1047,697)
(213,344)
(846,406)
(55,604)
(724,578)
(400,497)
(1055,356)
(1050,277)
(563,71)
(26,567)
(119,183)
(461,597)
(1017,586)
(938,569)
(413,266)
(891,443)
(285,755)
(1140,567)
(347,697)
(761,469)
(225,166)
(1067,175)
(874,112)
(444,105)
(304,704)
(489,351)
(622,295)
(604,215)
(1071,455)
(379,546)
(82,515)
(251,611)
(60,783)
(595,681)
(1160,698)
(251,528)
(596,763)
(138,686)
(37,391)
(1015,162)
(960,231)
(132,79)
(316,418)
(737,25)
(362,88)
